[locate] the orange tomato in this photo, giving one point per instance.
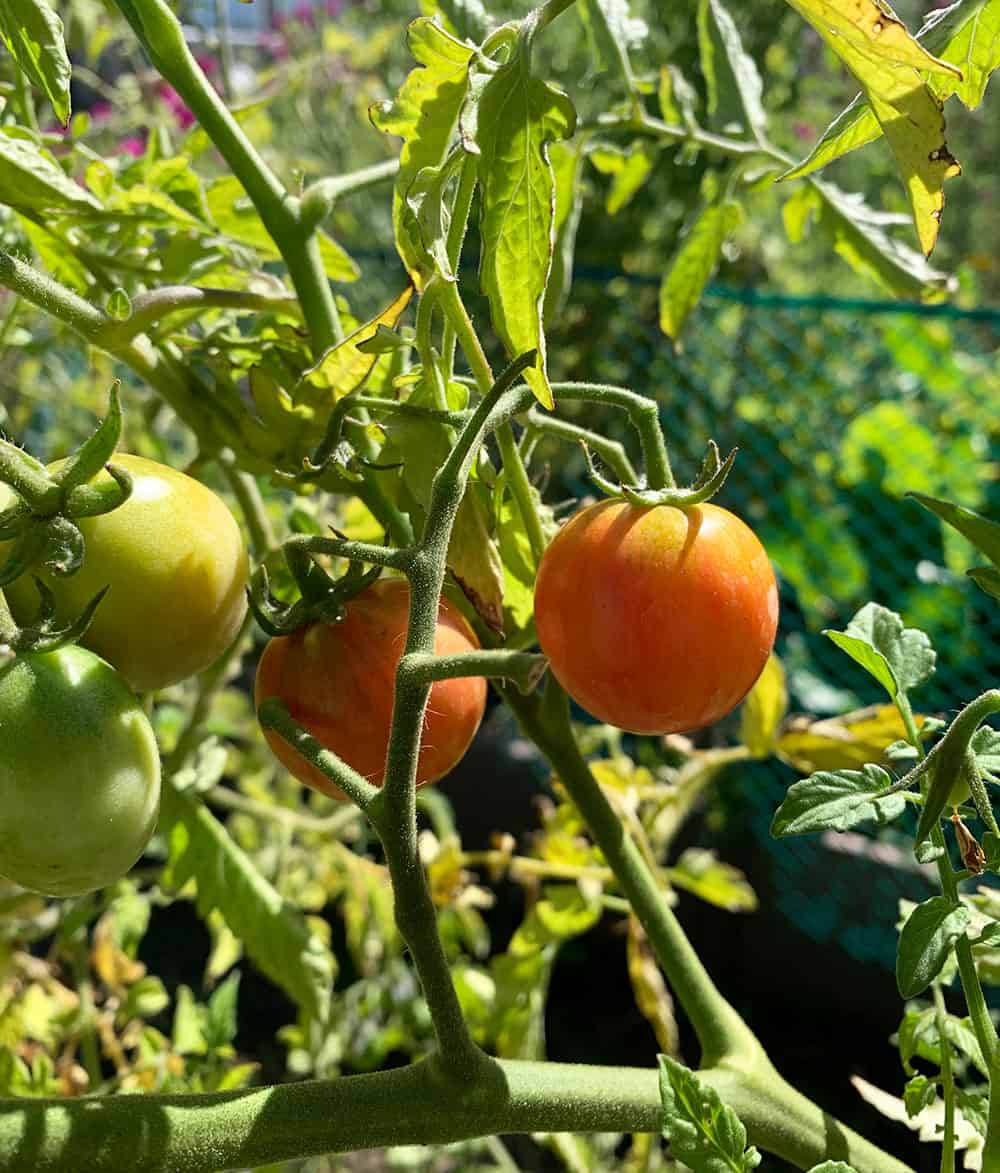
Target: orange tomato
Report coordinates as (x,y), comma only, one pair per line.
(656,619)
(338,682)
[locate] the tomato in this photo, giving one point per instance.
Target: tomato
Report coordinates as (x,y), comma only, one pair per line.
(79,773)
(338,682)
(176,564)
(656,619)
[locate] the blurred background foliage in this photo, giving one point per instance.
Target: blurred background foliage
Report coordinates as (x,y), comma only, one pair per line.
(840,402)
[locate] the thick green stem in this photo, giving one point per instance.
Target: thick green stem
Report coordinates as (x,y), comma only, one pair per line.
(723,1035)
(645,417)
(264,1126)
(319,199)
(947,1086)
(524,669)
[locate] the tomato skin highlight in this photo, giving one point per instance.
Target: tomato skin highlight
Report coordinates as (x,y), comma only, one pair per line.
(79,773)
(656,619)
(338,682)
(177,567)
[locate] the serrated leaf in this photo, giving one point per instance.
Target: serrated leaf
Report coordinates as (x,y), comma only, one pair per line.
(275,933)
(900,658)
(700,872)
(703,1132)
(764,709)
(33,35)
(518,117)
(344,368)
(967,34)
(925,942)
(836,801)
(31,180)
(424,114)
(886,61)
(735,89)
(694,264)
(55,256)
(428,210)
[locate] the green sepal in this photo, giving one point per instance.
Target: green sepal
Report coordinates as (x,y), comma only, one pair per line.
(90,500)
(710,479)
(93,454)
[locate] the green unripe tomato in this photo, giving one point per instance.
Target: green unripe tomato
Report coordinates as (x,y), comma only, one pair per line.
(79,773)
(174,559)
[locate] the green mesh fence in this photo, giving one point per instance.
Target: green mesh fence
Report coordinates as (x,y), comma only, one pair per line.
(838,408)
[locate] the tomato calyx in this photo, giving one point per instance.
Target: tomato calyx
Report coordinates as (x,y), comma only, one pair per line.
(710,479)
(41,524)
(322,597)
(44,634)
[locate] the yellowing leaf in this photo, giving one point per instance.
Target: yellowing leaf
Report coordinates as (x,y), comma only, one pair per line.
(842,743)
(764,710)
(345,367)
(887,62)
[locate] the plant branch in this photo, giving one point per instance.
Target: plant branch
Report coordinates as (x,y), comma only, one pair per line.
(150,308)
(524,669)
(319,199)
(265,1126)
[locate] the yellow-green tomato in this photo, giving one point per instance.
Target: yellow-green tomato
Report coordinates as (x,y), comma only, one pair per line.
(176,565)
(79,773)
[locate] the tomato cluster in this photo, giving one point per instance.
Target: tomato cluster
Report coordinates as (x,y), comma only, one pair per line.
(79,770)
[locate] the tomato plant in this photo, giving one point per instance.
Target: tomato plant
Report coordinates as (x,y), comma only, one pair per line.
(414,439)
(338,681)
(176,567)
(654,618)
(79,773)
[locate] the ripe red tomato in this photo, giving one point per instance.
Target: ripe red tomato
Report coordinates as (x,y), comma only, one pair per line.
(176,565)
(656,619)
(338,682)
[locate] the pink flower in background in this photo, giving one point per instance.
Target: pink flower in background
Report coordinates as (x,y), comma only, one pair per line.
(100,111)
(175,104)
(304,15)
(134,146)
(334,7)
(803,131)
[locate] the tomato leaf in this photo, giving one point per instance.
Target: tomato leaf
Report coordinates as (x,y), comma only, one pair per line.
(652,995)
(275,933)
(980,531)
(832,1167)
(33,35)
(424,114)
(344,367)
(703,874)
(474,557)
(925,941)
(887,62)
(900,658)
(734,84)
(518,116)
(855,126)
(859,236)
(836,801)
(703,1132)
(30,179)
(630,169)
(764,709)
(567,165)
(694,264)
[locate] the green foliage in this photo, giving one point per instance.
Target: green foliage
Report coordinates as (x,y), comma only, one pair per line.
(703,1132)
